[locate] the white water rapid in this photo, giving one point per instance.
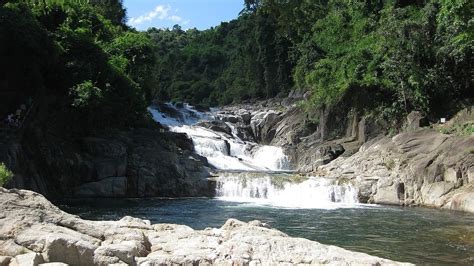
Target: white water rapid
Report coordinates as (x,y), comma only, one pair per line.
(223,151)
(249,172)
(282,190)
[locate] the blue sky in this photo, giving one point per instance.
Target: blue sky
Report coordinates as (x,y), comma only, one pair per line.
(202,14)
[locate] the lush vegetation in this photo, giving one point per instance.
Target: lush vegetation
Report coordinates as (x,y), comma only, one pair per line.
(5,174)
(384,57)
(78,58)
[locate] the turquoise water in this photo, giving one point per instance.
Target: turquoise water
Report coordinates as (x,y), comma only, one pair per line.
(417,235)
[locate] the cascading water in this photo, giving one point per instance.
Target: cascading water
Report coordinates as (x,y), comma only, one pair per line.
(254,172)
(283,190)
(223,151)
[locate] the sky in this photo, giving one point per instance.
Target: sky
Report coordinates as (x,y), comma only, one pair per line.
(202,14)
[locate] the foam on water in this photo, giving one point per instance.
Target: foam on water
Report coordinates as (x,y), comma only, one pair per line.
(318,193)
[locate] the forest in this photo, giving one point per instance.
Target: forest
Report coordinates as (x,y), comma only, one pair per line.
(388,57)
(384,57)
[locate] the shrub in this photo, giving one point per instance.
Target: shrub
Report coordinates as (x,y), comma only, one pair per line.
(86,95)
(5,174)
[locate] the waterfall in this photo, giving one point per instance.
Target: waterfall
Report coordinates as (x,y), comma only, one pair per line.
(223,151)
(260,178)
(281,191)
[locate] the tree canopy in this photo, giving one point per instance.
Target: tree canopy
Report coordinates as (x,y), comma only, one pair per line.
(404,55)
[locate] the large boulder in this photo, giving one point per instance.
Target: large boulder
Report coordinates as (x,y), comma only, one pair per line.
(216,125)
(262,125)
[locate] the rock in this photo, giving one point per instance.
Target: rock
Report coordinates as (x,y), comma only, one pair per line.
(245,133)
(246,117)
(470,175)
(110,187)
(59,244)
(29,259)
(35,224)
(216,125)
(5,260)
(452,175)
(422,167)
(463,202)
(136,162)
(389,193)
(415,120)
(262,126)
(124,252)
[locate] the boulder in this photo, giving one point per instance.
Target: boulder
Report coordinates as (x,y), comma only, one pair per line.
(463,202)
(415,120)
(388,192)
(262,125)
(28,259)
(216,125)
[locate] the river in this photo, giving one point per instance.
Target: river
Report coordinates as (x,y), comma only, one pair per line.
(255,182)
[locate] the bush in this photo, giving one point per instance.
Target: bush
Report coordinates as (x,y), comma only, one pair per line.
(86,95)
(5,174)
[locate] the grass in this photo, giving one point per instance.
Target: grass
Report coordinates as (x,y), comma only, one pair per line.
(466,129)
(5,174)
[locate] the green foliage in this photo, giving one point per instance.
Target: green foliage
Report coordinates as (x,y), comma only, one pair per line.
(235,61)
(383,58)
(79,57)
(134,54)
(86,95)
(5,174)
(466,129)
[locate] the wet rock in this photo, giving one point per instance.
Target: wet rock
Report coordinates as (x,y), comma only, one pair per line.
(262,126)
(216,125)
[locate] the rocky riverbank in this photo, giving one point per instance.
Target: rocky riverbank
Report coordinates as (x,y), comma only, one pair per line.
(34,231)
(424,168)
(420,166)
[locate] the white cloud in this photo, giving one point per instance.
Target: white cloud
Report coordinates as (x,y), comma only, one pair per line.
(160,12)
(175,18)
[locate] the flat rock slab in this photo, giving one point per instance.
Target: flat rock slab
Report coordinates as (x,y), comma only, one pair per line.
(33,231)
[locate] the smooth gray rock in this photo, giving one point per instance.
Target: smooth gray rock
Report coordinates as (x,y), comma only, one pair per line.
(28,259)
